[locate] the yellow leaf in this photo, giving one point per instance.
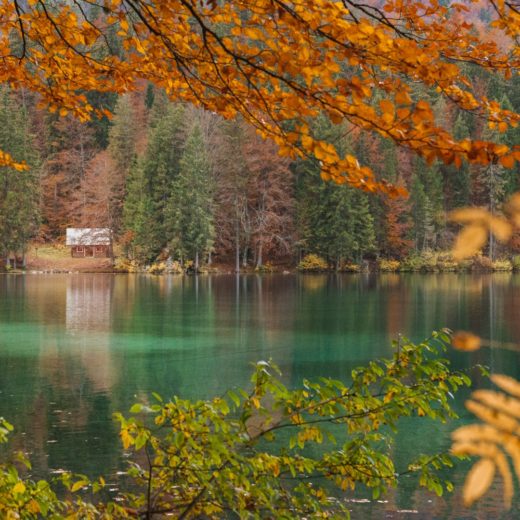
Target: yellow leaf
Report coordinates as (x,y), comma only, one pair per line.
(465,341)
(78,485)
(506,383)
(478,480)
(19,487)
(469,215)
(469,241)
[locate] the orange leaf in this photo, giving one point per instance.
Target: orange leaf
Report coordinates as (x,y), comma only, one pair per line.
(465,341)
(469,241)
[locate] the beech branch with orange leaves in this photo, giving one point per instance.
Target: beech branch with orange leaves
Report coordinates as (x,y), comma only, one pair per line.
(278,63)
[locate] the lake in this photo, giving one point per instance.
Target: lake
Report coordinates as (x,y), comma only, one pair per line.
(76,348)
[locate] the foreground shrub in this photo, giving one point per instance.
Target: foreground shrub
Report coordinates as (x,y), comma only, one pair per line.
(313,263)
(256,450)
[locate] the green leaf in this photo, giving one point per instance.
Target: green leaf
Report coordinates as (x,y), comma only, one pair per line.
(136,408)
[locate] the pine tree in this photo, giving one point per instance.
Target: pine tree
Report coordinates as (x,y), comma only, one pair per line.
(422,221)
(457,180)
(363,225)
(19,190)
(138,220)
(122,134)
(161,163)
(190,220)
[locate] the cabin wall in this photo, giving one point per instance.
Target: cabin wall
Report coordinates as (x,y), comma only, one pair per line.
(99,251)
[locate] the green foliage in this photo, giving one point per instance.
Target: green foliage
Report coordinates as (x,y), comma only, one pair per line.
(138,218)
(312,263)
(19,190)
(189,216)
(265,452)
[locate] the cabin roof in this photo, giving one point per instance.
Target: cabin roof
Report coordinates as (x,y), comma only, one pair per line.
(88,237)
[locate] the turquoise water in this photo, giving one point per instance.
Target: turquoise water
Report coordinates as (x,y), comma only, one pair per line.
(76,348)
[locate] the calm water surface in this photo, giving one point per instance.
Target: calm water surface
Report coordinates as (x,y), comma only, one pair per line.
(76,348)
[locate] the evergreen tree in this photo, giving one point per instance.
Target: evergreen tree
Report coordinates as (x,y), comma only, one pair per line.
(457,180)
(19,190)
(138,220)
(161,164)
(363,225)
(190,220)
(122,135)
(422,227)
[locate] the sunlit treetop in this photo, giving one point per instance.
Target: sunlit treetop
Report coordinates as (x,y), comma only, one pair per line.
(277,63)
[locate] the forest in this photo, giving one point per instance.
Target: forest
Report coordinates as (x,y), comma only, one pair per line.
(165,176)
(182,183)
(266,134)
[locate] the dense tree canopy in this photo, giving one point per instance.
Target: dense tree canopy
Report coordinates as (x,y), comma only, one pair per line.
(277,63)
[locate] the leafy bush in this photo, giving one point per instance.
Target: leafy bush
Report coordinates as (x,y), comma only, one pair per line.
(445,262)
(313,263)
(351,268)
(481,263)
(254,450)
(516,262)
(265,268)
(173,267)
(124,265)
(413,263)
(157,268)
(502,265)
(389,266)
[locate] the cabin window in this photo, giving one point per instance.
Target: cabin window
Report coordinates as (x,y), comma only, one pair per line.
(80,249)
(100,249)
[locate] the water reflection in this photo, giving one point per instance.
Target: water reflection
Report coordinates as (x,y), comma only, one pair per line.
(76,348)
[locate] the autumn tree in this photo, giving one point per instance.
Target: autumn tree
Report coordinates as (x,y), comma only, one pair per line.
(64,165)
(278,64)
(233,222)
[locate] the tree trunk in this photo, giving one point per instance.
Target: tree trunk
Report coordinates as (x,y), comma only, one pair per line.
(244,257)
(259,255)
(237,248)
(196,266)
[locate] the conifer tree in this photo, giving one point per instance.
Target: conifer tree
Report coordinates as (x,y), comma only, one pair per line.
(363,225)
(19,212)
(190,219)
(138,220)
(161,163)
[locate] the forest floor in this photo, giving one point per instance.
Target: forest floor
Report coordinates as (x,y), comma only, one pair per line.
(57,258)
